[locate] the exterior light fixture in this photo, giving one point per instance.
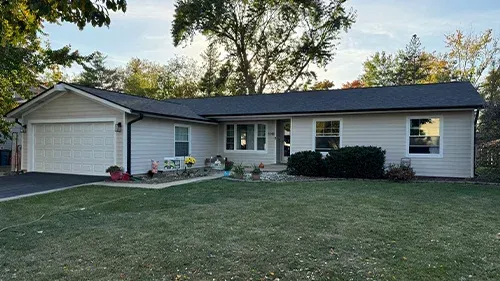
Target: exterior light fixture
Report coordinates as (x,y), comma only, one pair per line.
(23,129)
(118,127)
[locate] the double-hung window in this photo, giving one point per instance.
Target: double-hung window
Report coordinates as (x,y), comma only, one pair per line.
(327,135)
(182,140)
(424,136)
(249,137)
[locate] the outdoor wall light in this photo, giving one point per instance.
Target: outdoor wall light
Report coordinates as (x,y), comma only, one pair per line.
(23,129)
(118,127)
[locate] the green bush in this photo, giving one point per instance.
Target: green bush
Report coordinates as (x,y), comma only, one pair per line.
(400,173)
(366,162)
(238,171)
(306,163)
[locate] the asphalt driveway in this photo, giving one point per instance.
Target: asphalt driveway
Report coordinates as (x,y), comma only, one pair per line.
(32,183)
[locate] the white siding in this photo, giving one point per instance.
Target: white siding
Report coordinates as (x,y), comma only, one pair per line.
(70,106)
(153,139)
(250,157)
(388,130)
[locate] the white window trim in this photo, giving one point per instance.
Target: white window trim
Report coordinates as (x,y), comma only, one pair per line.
(234,124)
(190,139)
(341,129)
(441,137)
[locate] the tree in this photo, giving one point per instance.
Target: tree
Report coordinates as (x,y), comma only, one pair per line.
(323,85)
(180,79)
(177,79)
(24,59)
(213,82)
(96,74)
(353,84)
(272,44)
(489,125)
(490,89)
(51,75)
(470,55)
(141,77)
(379,70)
(411,64)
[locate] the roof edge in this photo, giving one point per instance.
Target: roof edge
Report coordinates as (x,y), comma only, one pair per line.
(471,107)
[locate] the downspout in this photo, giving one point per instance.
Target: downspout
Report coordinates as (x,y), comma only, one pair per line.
(18,157)
(20,124)
(129,141)
(475,140)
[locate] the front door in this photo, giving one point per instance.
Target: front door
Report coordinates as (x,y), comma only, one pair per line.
(285,143)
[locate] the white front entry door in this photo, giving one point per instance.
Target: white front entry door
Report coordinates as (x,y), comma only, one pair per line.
(74,148)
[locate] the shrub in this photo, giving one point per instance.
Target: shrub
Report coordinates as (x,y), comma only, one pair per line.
(238,171)
(114,168)
(256,170)
(400,173)
(306,163)
(366,162)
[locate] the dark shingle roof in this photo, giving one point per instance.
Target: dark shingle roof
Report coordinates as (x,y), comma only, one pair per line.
(143,105)
(411,97)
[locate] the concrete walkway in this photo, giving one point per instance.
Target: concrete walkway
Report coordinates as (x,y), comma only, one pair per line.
(156,185)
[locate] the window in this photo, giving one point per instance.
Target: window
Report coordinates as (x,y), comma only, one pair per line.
(182,140)
(230,137)
(424,136)
(327,135)
(246,137)
(261,137)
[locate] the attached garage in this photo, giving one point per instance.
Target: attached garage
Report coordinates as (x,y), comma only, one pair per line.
(77,148)
(72,129)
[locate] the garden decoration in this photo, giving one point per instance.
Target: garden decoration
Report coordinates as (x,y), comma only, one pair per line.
(154,166)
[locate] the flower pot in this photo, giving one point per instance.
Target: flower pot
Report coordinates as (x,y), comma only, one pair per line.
(256,177)
(189,165)
(115,176)
(227,173)
(125,177)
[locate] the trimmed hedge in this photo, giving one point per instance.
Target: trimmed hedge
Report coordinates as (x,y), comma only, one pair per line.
(306,163)
(365,162)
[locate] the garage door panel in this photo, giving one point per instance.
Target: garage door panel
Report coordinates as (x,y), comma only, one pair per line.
(80,148)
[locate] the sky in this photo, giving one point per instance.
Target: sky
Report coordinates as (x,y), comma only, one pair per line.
(381,25)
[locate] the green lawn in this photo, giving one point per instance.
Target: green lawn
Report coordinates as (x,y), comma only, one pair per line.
(222,230)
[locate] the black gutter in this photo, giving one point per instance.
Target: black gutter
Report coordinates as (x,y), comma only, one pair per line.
(20,124)
(129,141)
(475,141)
(471,107)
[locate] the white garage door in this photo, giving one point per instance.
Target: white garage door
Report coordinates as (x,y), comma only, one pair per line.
(74,148)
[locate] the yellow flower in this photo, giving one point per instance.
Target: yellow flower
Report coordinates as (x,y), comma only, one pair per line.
(189,160)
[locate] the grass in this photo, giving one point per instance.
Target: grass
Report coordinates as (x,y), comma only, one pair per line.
(221,230)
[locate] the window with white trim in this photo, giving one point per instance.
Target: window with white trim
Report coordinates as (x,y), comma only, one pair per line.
(424,136)
(182,139)
(327,135)
(246,137)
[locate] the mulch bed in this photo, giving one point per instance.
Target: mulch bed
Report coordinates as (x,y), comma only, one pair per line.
(171,176)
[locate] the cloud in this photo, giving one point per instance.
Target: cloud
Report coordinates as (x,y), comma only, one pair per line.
(147,10)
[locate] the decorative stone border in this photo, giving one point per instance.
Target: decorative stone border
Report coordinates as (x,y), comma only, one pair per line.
(156,185)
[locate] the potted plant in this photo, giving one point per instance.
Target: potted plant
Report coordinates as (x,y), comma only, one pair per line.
(115,172)
(256,173)
(238,171)
(189,161)
(228,166)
